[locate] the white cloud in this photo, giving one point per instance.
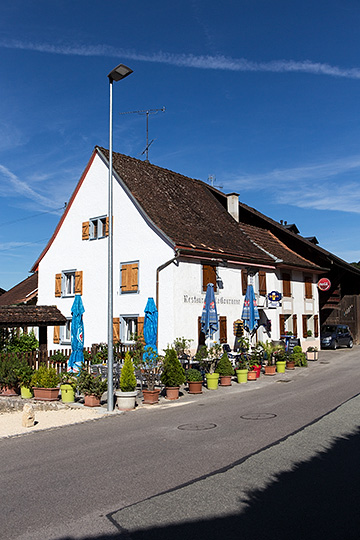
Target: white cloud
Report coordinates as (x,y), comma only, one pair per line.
(217,62)
(323,186)
(11,185)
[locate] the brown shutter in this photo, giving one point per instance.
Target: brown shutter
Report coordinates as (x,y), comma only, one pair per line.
(282,325)
(304,325)
(140,330)
(223,329)
(107,227)
(244,281)
(262,283)
(56,334)
(308,287)
(129,277)
(116,329)
(286,279)
(316,325)
(294,318)
(57,284)
(78,282)
(209,276)
(86,230)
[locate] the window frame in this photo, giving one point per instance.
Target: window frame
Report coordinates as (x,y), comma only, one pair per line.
(97,224)
(124,326)
(64,277)
(65,332)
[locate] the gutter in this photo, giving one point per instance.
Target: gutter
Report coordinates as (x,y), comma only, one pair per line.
(158,270)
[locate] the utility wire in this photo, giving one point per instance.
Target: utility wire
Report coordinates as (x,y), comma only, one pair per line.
(32,216)
(25,244)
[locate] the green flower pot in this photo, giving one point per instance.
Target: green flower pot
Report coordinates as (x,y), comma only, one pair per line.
(212,381)
(280,367)
(67,393)
(25,392)
(242,375)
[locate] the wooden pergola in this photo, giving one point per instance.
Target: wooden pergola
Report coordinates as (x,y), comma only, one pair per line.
(23,316)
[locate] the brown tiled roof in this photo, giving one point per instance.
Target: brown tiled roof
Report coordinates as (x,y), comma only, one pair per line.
(185,210)
(23,293)
(268,241)
(14,316)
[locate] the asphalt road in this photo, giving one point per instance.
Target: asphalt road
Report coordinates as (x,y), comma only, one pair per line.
(213,460)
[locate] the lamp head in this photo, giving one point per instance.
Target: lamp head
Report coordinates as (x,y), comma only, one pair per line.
(120,72)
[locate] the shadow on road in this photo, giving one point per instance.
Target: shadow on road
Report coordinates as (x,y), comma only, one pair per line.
(318,499)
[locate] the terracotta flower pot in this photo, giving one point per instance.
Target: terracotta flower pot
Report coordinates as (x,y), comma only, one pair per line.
(290,365)
(252,376)
(195,387)
(270,370)
(257,370)
(172,392)
(151,396)
(225,380)
(91,401)
(8,391)
(46,394)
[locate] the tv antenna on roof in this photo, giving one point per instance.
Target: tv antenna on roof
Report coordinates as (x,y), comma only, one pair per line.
(147,113)
(212,180)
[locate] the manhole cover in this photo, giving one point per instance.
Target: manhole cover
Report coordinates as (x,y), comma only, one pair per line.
(284,380)
(324,362)
(258,416)
(197,427)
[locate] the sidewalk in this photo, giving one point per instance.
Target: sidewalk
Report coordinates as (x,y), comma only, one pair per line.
(50,415)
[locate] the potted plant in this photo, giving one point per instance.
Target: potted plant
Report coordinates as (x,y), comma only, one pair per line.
(45,383)
(126,395)
(9,363)
(242,369)
(68,386)
(24,374)
(172,375)
(208,359)
(280,357)
(194,380)
(256,358)
(148,363)
(312,354)
(92,387)
(225,370)
(268,349)
(298,358)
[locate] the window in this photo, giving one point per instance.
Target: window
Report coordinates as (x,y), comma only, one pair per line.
(208,276)
(129,277)
(308,287)
(65,333)
(98,228)
(95,228)
(286,279)
(68,283)
(129,326)
(244,281)
(262,283)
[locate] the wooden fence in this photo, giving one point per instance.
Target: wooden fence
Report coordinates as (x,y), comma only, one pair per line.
(36,358)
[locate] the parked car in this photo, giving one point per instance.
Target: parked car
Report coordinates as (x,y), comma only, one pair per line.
(333,336)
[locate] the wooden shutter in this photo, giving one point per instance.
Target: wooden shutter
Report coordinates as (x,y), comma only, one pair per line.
(262,283)
(107,227)
(129,277)
(286,279)
(209,276)
(86,230)
(308,287)
(304,325)
(140,329)
(244,281)
(282,325)
(223,329)
(57,284)
(294,318)
(78,282)
(116,329)
(316,325)
(56,334)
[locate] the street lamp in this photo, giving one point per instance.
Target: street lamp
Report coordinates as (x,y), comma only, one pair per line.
(118,73)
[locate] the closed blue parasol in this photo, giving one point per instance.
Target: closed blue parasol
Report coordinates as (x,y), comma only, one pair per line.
(150,326)
(250,313)
(209,318)
(77,336)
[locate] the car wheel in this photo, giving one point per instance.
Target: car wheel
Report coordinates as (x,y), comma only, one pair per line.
(350,344)
(335,345)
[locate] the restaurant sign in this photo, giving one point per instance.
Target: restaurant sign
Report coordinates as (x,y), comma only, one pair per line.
(324,284)
(274,298)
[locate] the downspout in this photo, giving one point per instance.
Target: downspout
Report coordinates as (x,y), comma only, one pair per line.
(158,270)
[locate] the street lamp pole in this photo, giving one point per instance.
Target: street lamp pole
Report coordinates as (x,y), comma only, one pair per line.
(118,73)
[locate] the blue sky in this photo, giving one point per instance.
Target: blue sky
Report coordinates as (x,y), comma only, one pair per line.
(262,96)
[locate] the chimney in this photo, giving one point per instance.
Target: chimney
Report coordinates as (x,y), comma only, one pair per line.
(233,205)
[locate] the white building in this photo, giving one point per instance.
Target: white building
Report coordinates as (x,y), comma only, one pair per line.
(172,235)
